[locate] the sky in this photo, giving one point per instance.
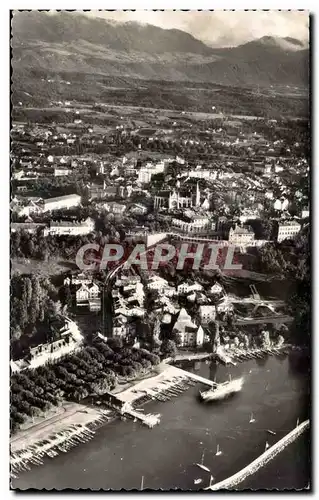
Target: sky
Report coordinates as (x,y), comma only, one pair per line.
(222,28)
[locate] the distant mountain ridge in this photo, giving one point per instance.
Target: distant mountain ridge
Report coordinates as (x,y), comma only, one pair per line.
(65,41)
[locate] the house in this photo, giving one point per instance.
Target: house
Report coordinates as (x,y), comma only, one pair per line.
(224,305)
(188,288)
(216,289)
(157,283)
(185,328)
(68,340)
(70,228)
(85,293)
(305,213)
(287,230)
(207,313)
(61,172)
(33,207)
(60,202)
(241,235)
(115,208)
(138,208)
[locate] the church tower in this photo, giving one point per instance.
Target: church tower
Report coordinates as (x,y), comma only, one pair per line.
(197,201)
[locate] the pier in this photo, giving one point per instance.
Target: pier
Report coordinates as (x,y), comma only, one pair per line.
(268,455)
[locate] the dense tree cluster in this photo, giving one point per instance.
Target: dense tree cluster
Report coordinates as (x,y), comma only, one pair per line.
(93,370)
(35,301)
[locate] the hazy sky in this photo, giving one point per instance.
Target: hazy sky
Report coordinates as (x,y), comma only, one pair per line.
(222,27)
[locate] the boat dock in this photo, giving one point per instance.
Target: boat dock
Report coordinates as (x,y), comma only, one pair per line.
(60,442)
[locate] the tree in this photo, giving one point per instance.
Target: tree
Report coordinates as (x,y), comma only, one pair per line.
(168,348)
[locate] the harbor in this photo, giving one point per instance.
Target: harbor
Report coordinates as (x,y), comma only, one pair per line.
(120,453)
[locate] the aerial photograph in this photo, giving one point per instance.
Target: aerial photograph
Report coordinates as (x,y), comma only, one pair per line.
(160,250)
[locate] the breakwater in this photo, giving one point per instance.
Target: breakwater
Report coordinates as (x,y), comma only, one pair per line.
(268,455)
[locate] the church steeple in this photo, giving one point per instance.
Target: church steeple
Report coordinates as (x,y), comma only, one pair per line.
(197,201)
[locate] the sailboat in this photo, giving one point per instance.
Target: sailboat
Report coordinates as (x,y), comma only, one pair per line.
(267,446)
(201,465)
(142,483)
(271,432)
(252,419)
(218,451)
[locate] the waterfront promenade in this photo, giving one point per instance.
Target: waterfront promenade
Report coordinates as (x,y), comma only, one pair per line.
(268,455)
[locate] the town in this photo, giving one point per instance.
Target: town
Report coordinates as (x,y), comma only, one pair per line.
(154,228)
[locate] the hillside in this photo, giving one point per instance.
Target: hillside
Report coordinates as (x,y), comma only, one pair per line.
(68,43)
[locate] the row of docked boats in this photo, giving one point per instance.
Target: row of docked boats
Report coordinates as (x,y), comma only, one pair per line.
(61,442)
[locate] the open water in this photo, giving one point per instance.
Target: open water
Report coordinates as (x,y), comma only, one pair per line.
(122,452)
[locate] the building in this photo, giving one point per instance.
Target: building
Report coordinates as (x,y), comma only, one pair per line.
(145,173)
(70,228)
(85,293)
(61,202)
(28,227)
(177,199)
(287,230)
(193,223)
(216,289)
(207,313)
(203,174)
(188,288)
(185,328)
(138,208)
(115,208)
(61,172)
(67,340)
(241,235)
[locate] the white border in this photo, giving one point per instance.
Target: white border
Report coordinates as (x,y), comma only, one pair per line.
(312,6)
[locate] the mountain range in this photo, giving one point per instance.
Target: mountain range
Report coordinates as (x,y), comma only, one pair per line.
(58,43)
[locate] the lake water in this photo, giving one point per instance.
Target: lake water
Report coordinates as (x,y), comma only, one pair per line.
(122,452)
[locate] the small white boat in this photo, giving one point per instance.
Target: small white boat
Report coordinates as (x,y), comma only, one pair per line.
(271,432)
(201,465)
(267,446)
(198,481)
(252,419)
(218,451)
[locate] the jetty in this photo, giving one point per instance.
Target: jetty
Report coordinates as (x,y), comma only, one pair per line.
(263,459)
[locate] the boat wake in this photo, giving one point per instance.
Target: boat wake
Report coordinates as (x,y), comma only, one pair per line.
(223,391)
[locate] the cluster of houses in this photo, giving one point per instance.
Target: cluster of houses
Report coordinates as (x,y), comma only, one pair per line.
(129,303)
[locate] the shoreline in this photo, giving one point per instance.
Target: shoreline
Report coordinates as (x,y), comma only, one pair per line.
(88,416)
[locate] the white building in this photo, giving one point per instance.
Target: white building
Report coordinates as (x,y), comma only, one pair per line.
(207,313)
(241,235)
(70,228)
(85,293)
(203,174)
(67,201)
(185,328)
(70,339)
(287,230)
(188,288)
(61,172)
(216,289)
